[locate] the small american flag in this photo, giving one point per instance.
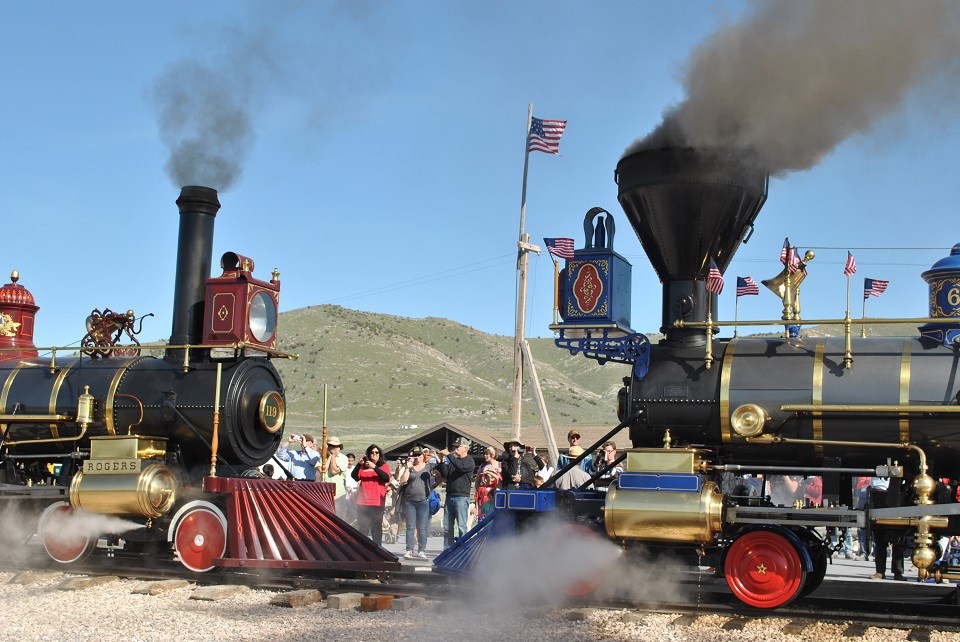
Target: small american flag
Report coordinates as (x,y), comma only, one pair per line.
(874,287)
(545,135)
(714,279)
(851,267)
(789,256)
(746,286)
(785,251)
(560,247)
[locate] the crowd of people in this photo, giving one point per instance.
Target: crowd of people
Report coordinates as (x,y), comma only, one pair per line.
(379,500)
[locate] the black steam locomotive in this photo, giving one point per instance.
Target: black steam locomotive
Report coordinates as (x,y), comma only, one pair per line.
(169,442)
(702,412)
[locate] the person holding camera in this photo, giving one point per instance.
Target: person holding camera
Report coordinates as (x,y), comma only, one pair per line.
(605,462)
(519,465)
(335,473)
(456,469)
(373,474)
(300,456)
(414,477)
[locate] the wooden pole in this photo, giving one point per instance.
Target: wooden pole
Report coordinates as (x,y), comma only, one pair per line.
(552,452)
(323,436)
(522,265)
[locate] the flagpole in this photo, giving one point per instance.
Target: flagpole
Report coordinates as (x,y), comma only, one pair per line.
(709,360)
(522,264)
(863,315)
(556,292)
(736,315)
(848,294)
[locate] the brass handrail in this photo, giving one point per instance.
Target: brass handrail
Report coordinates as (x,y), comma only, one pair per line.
(817,409)
(846,322)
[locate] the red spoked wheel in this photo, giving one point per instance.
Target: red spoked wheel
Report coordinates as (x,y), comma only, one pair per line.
(64,542)
(199,536)
(764,569)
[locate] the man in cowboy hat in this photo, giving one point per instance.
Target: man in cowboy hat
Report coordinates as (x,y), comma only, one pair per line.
(335,472)
(518,467)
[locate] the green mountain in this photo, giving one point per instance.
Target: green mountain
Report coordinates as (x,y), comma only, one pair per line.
(386,371)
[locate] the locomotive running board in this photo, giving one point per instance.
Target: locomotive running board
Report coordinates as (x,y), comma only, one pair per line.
(292,525)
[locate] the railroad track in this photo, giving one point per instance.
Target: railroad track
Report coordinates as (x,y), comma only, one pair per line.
(708,603)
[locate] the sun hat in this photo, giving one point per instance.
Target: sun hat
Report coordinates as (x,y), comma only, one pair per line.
(574,451)
(334,441)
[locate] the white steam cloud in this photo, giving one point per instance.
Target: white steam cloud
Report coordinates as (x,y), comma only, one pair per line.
(540,566)
(795,79)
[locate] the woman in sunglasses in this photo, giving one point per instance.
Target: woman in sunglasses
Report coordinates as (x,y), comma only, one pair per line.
(373,474)
(415,487)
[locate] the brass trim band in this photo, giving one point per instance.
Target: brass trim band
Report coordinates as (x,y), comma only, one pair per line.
(54,393)
(726,430)
(905,390)
(108,416)
(6,394)
(816,390)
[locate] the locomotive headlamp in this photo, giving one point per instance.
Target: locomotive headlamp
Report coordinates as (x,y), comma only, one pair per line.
(263,317)
(239,308)
(749,420)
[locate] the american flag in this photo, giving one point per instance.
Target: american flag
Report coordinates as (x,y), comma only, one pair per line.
(874,287)
(560,247)
(545,135)
(851,267)
(784,251)
(789,256)
(747,286)
(714,279)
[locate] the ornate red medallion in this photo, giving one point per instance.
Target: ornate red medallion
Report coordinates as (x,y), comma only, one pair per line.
(587,288)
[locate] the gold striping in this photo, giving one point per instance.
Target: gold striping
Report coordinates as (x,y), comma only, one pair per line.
(816,393)
(905,389)
(726,431)
(108,418)
(54,393)
(6,393)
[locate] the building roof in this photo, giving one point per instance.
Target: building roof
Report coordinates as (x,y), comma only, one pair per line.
(443,435)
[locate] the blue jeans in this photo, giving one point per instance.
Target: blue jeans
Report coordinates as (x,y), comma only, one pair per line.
(417,515)
(455,509)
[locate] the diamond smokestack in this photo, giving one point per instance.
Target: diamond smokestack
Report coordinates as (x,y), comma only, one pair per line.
(688,206)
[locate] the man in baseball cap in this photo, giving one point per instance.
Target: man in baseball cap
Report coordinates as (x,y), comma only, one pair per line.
(573,437)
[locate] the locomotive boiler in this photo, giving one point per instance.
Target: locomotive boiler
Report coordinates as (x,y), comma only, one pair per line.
(702,412)
(693,206)
(168,436)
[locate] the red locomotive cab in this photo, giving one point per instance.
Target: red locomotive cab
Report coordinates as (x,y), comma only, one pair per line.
(17,313)
(240,309)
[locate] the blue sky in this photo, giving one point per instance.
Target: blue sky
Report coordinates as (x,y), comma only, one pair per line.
(384,167)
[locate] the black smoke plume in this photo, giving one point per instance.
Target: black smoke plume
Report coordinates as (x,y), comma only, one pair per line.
(299,59)
(796,78)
